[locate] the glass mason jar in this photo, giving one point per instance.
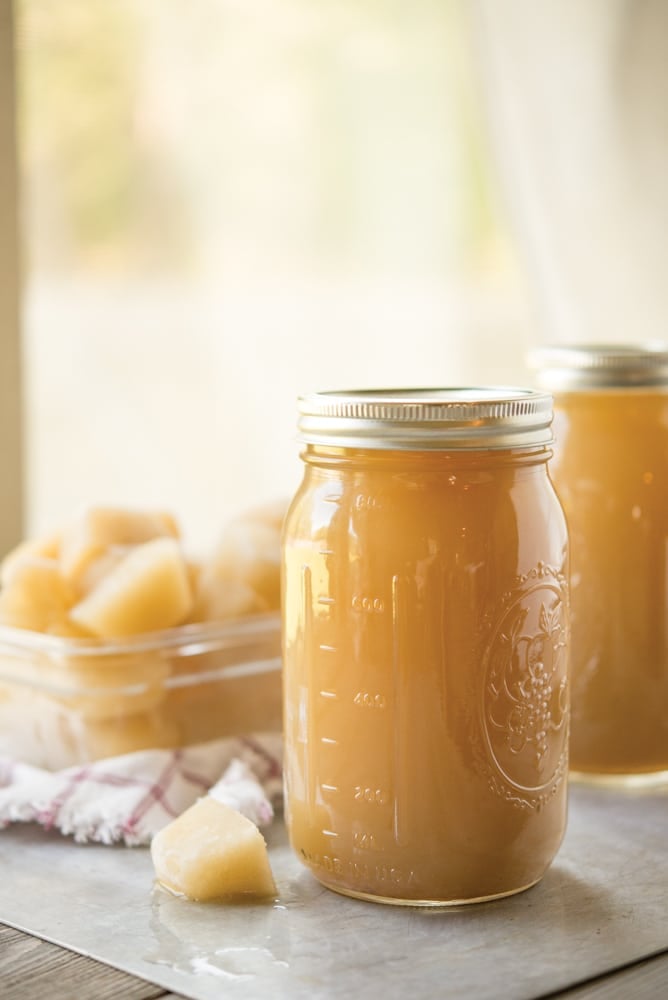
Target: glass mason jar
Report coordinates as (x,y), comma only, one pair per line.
(610,469)
(425,645)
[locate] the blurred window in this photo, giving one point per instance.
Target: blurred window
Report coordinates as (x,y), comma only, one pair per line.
(231,202)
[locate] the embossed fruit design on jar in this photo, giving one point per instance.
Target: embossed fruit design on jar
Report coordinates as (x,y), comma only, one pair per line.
(425,645)
(610,469)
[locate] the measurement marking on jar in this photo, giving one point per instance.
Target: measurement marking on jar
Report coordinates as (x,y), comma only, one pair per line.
(398,670)
(327,600)
(326,552)
(374,796)
(367,699)
(329,741)
(329,694)
(367,603)
(329,788)
(364,841)
(329,833)
(327,649)
(310,701)
(366,501)
(332,498)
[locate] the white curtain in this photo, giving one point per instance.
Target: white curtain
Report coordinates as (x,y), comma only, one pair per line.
(577,92)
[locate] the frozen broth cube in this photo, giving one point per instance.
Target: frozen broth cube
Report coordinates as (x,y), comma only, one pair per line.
(250,552)
(35,596)
(101,566)
(147,590)
(46,547)
(213,852)
(218,600)
(99,528)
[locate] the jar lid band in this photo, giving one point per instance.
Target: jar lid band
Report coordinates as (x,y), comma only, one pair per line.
(471,418)
(592,366)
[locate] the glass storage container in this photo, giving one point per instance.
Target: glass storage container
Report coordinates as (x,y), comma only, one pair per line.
(69,701)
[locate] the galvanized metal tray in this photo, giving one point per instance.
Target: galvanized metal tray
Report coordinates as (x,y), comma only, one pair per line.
(603,904)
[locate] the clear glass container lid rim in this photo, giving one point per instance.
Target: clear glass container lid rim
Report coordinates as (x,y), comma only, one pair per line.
(456,416)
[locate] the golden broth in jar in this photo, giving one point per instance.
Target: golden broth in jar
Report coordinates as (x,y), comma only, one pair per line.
(425,645)
(610,468)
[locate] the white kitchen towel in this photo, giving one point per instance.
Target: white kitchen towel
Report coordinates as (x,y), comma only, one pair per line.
(128,799)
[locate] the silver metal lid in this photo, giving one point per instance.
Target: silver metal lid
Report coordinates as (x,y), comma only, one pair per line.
(471,418)
(600,366)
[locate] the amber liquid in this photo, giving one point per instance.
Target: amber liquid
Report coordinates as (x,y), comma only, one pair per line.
(425,650)
(611,471)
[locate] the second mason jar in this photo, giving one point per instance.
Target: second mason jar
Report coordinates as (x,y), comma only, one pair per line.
(611,471)
(425,645)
